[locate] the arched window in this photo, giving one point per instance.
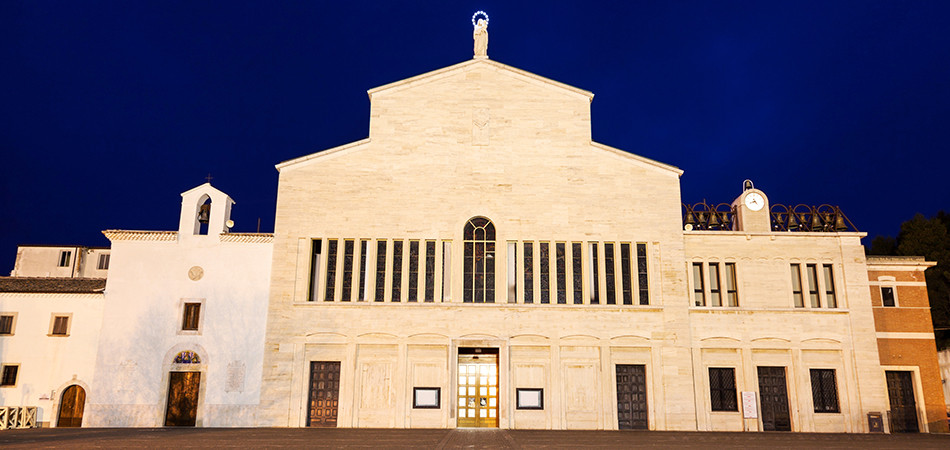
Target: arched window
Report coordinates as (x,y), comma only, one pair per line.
(479,266)
(187,357)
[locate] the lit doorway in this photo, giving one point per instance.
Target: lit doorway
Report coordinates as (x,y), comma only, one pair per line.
(478,387)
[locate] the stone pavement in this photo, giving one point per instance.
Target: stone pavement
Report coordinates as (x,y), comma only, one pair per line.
(444,439)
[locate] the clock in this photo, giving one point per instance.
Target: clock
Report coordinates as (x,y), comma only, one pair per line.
(754,201)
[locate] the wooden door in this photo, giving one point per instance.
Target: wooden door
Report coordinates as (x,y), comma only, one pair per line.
(478,391)
(182,408)
(324,393)
(773,393)
(900,391)
(71,406)
(632,397)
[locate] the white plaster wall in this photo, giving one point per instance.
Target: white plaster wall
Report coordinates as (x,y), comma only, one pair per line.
(49,364)
(147,284)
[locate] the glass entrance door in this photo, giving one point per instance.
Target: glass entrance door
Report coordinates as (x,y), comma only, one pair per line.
(478,390)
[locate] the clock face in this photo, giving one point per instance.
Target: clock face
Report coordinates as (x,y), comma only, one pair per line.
(754,201)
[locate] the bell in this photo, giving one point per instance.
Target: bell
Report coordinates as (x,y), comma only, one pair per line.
(204,213)
(714,220)
(690,218)
(839,222)
(792,222)
(815,222)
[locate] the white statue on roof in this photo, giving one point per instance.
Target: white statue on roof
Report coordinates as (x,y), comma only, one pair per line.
(480,34)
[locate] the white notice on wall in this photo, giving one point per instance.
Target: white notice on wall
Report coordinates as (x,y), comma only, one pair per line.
(749,409)
(235,377)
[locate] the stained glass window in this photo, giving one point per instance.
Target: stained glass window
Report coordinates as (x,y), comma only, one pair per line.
(479,261)
(187,357)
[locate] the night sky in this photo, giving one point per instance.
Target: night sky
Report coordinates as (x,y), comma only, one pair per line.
(109,110)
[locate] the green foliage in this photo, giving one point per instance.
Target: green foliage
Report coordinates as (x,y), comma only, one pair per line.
(929,238)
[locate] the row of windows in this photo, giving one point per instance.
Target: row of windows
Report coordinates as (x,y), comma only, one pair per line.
(59,324)
(65,256)
(723,394)
(541,272)
(715,284)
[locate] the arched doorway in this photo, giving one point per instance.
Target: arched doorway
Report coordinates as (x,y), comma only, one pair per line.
(71,406)
(181,409)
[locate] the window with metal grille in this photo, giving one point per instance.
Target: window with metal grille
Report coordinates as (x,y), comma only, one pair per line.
(190,316)
(347,282)
(396,288)
(625,274)
(722,389)
(430,272)
(611,290)
(9,375)
(380,270)
(544,261)
(413,293)
(577,273)
(560,266)
(364,279)
(60,326)
(529,272)
(824,390)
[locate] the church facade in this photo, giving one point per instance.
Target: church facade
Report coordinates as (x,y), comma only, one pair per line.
(479,261)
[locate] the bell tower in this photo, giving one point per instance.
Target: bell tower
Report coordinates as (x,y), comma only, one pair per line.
(205,211)
(752,209)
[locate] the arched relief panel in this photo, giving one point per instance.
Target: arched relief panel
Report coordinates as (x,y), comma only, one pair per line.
(720,342)
(528,339)
(328,337)
(822,343)
(771,340)
(630,339)
(580,339)
(428,336)
(477,336)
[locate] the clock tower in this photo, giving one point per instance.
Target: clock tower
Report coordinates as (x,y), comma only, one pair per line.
(752,210)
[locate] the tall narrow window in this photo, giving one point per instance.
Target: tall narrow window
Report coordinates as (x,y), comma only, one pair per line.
(512,272)
(397,272)
(715,294)
(594,275)
(544,255)
(380,270)
(446,271)
(643,275)
(699,289)
(413,294)
(611,290)
(192,312)
(331,270)
(347,288)
(824,391)
(430,272)
(103,262)
(364,275)
(797,286)
(577,273)
(316,246)
(561,267)
(479,260)
(830,300)
(64,257)
(722,389)
(529,272)
(812,272)
(732,293)
(887,296)
(625,274)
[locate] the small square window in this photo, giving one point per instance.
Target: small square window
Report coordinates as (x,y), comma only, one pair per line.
(722,389)
(64,257)
(59,325)
(530,398)
(427,397)
(8,377)
(192,313)
(103,261)
(887,296)
(6,324)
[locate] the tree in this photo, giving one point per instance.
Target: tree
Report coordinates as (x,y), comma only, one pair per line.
(929,238)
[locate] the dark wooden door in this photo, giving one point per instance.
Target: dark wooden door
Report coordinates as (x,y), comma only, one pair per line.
(900,390)
(182,409)
(71,406)
(632,397)
(324,393)
(774,398)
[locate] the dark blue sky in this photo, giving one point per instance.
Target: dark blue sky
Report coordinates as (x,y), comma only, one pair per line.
(108,110)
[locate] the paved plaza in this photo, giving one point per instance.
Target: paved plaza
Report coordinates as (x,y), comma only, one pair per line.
(444,439)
